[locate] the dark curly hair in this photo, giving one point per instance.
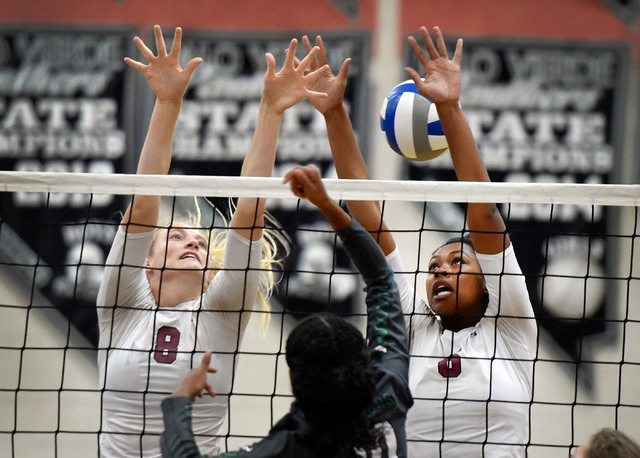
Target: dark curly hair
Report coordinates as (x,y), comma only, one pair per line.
(333,382)
(464,239)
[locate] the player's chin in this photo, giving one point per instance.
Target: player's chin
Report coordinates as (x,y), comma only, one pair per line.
(442,308)
(194,271)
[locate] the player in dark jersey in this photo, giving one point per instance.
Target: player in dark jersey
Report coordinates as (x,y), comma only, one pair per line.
(351,397)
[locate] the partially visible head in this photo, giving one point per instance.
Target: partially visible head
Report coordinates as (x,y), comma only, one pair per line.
(608,443)
(456,288)
(331,374)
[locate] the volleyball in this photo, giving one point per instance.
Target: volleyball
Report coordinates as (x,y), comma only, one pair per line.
(411,124)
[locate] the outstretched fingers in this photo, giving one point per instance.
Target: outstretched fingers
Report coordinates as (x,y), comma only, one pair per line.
(457,56)
(434,52)
(160,44)
(271,64)
(420,54)
(344,69)
(135,64)
(144,49)
(162,50)
(290,54)
(191,66)
(297,62)
(414,76)
(307,47)
(311,78)
(322,53)
(146,53)
(176,46)
(306,62)
(428,42)
(442,48)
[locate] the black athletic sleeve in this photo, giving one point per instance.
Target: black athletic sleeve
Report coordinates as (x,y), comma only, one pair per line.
(177,440)
(386,331)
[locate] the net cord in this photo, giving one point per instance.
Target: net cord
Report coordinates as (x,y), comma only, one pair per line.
(389,190)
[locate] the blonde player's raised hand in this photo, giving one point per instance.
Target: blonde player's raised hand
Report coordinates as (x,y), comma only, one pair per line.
(167,79)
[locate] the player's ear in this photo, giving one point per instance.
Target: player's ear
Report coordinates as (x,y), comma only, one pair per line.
(207,280)
(147,267)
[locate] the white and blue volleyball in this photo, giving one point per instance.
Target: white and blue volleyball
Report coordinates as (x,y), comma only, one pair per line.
(411,124)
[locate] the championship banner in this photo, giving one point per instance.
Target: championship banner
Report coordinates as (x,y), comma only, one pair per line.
(546,112)
(216,127)
(65,106)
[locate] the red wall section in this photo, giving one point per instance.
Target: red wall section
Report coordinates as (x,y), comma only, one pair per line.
(558,19)
(570,19)
(193,14)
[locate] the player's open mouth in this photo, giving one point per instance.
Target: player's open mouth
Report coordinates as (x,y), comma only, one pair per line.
(441,291)
(189,256)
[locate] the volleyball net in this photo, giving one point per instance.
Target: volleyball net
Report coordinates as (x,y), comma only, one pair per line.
(576,244)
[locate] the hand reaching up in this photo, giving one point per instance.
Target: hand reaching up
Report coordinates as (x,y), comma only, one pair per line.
(166,78)
(327,82)
(306,183)
(292,83)
(441,82)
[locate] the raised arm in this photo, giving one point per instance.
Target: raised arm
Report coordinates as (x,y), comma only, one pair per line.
(441,85)
(386,331)
(281,90)
(306,183)
(168,81)
(347,157)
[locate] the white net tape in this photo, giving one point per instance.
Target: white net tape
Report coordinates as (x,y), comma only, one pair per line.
(416,191)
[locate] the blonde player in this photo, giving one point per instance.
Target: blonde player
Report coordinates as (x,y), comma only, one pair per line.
(160,304)
(473,341)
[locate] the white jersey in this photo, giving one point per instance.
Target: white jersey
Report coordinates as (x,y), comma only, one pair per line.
(472,389)
(145,350)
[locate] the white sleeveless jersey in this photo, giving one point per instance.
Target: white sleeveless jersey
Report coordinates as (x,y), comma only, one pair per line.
(144,350)
(472,389)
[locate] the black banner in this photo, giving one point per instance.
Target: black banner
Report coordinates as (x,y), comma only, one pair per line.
(65,106)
